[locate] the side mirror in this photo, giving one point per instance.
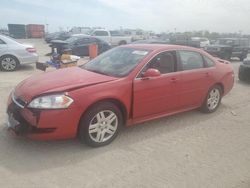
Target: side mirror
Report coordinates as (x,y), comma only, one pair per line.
(151,73)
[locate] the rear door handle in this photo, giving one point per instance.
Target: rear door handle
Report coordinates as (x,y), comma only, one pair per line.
(206,74)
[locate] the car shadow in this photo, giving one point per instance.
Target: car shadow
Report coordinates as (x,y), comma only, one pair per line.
(243,83)
(26,67)
(22,155)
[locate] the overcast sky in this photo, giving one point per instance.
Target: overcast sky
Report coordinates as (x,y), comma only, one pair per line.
(156,15)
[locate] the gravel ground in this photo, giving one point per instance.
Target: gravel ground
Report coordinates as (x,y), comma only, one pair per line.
(188,150)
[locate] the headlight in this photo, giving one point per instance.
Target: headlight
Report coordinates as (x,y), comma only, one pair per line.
(56,101)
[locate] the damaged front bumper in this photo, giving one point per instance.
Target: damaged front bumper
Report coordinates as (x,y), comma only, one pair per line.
(41,124)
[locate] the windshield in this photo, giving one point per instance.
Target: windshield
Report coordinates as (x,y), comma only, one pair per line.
(117,62)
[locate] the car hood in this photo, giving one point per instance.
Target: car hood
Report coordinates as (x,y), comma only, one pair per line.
(58,81)
(58,42)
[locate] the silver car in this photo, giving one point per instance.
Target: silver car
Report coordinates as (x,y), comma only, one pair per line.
(13,53)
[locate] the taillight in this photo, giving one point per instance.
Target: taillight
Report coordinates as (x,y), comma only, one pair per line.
(31,50)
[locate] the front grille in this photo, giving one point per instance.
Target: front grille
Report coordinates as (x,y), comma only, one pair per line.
(25,127)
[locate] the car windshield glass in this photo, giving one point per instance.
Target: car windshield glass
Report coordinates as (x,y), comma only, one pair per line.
(117,62)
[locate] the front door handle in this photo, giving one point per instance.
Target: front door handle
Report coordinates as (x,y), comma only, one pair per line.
(173,80)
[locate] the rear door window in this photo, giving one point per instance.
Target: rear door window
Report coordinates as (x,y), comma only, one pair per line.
(190,60)
(209,62)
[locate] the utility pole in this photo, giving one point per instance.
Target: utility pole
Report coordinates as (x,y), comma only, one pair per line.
(47,28)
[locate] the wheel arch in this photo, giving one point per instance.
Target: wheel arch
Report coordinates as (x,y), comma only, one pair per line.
(13,55)
(221,86)
(116,102)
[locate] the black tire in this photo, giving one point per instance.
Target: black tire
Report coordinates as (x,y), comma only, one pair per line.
(90,115)
(13,63)
(205,107)
(123,42)
(241,74)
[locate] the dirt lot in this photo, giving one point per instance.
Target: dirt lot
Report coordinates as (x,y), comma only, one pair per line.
(186,150)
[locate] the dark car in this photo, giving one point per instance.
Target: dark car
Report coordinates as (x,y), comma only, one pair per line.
(57,36)
(226,48)
(244,70)
(185,40)
(79,45)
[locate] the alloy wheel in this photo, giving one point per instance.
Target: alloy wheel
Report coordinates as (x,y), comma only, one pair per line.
(8,63)
(213,99)
(103,126)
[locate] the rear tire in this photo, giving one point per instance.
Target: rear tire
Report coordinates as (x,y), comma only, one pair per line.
(101,124)
(213,99)
(8,63)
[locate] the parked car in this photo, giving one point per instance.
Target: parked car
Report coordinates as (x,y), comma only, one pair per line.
(185,40)
(226,48)
(121,87)
(244,71)
(13,54)
(202,41)
(79,45)
(137,34)
(57,36)
(112,37)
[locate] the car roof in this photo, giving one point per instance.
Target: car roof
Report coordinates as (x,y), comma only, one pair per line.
(161,47)
(8,39)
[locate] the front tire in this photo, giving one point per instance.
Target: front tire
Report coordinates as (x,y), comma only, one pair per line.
(241,74)
(213,99)
(100,124)
(8,63)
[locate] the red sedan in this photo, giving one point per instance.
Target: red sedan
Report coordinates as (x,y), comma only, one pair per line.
(124,86)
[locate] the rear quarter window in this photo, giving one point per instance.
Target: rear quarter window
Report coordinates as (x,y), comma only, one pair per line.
(191,60)
(209,62)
